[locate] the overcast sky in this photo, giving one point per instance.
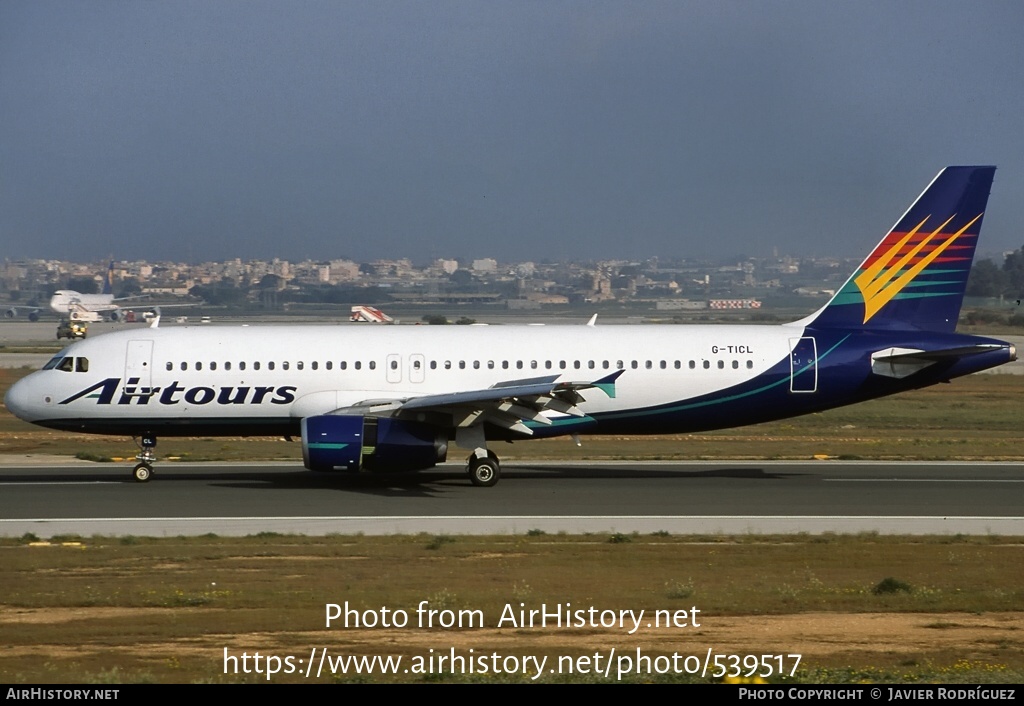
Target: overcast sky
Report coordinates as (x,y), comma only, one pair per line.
(509,129)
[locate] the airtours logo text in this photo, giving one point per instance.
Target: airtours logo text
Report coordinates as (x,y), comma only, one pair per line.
(105,391)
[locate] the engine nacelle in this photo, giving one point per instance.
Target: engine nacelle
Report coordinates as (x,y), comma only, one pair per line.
(116,315)
(354,443)
(11,313)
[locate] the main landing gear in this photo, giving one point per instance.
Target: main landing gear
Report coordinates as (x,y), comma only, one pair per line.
(143,470)
(483,468)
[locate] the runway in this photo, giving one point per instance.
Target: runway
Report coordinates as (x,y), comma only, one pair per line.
(722,497)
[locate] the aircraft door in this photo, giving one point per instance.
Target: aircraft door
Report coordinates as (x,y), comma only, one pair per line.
(394,366)
(803,365)
(417,367)
(138,363)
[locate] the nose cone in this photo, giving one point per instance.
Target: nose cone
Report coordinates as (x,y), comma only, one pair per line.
(17,400)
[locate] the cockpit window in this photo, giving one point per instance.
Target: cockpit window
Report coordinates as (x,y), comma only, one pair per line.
(52,362)
(81,365)
(67,365)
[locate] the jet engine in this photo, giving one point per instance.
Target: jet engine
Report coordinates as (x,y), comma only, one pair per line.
(11,313)
(356,443)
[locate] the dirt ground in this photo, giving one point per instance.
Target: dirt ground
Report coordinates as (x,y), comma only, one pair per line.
(818,637)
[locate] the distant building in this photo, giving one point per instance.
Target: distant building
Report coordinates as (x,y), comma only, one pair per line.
(448,266)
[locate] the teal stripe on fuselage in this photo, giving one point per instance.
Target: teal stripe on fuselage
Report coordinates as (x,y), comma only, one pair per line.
(683,407)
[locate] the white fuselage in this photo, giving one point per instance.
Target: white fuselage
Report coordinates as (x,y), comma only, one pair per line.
(81,307)
(205,373)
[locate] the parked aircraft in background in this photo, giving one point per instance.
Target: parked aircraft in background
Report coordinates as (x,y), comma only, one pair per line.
(397,398)
(76,306)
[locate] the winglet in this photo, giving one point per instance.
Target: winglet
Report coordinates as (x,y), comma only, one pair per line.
(593,320)
(607,383)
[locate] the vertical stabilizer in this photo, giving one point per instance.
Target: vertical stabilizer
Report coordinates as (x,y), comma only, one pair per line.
(108,280)
(916,277)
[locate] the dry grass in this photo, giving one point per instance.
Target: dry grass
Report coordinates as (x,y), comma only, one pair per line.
(163,610)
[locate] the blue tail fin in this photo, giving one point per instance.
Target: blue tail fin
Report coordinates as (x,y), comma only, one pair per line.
(108,281)
(916,277)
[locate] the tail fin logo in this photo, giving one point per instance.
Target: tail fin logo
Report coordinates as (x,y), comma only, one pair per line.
(886,277)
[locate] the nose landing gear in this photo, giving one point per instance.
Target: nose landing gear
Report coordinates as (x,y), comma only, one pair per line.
(143,471)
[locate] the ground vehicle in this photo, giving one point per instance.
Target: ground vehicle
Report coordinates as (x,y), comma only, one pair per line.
(72,329)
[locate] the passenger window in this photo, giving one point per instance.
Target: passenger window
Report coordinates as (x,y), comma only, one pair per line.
(664,365)
(504,365)
(299,365)
(284,365)
(213,366)
(476,365)
(330,365)
(394,365)
(256,365)
(416,365)
(433,365)
(561,364)
(343,365)
(679,364)
(576,364)
(519,365)
(447,365)
(227,365)
(373,365)
(358,365)
(490,365)
(533,364)
(170,365)
(241,365)
(199,366)
(649,365)
(735,364)
(635,365)
(692,365)
(184,366)
(82,365)
(315,365)
(462,365)
(547,364)
(707,364)
(721,364)
(270,365)
(750,364)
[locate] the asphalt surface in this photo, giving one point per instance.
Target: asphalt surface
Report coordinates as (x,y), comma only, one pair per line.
(678,497)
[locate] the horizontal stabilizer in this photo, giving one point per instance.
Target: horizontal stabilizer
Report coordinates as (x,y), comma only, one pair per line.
(901,362)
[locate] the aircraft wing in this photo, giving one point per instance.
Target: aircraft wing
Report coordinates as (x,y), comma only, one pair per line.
(505,404)
(32,312)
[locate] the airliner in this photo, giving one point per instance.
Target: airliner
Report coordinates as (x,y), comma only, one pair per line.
(89,308)
(76,306)
(400,398)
